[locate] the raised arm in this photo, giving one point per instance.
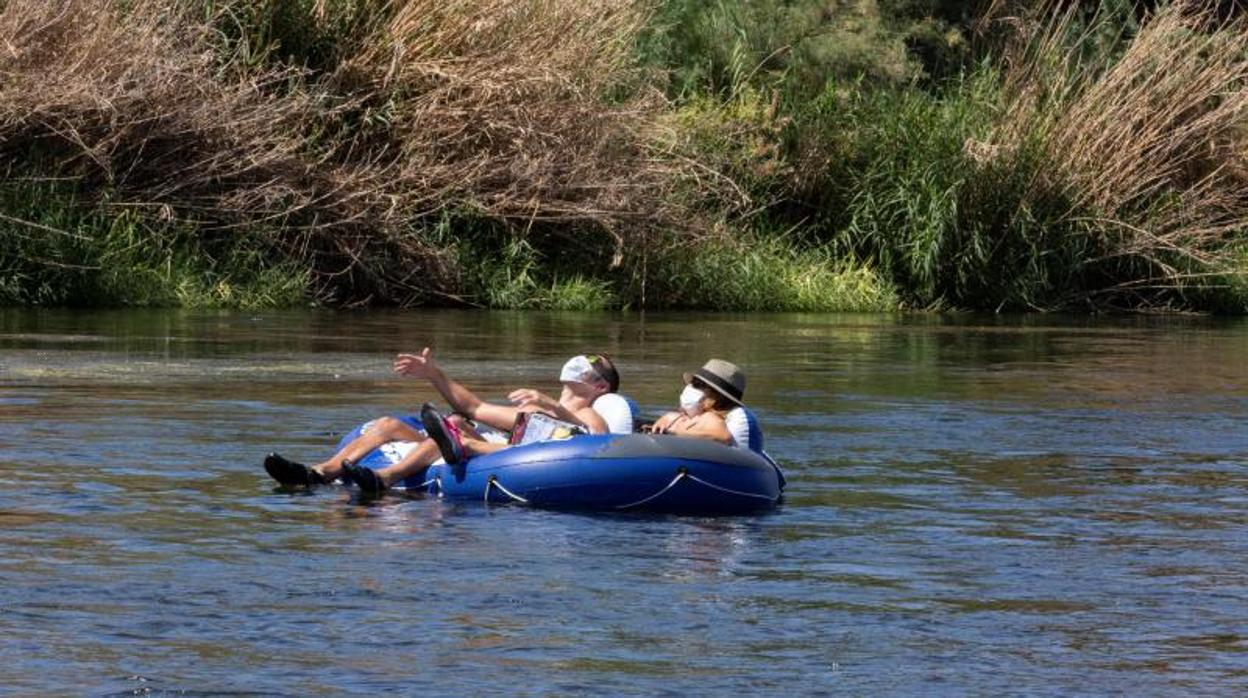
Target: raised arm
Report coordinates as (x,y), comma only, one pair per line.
(460,399)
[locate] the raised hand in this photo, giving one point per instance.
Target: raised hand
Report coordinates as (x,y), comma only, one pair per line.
(419,365)
(527,397)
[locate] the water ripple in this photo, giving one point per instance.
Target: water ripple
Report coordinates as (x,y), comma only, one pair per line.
(979,505)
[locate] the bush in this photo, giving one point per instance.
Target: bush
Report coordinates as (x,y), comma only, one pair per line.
(1088,173)
(895,179)
(339,127)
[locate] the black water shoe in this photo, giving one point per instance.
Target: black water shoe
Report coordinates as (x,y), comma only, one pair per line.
(366,479)
(444,434)
(290,473)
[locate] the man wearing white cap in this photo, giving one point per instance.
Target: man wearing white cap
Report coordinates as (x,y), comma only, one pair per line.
(587,381)
(585,378)
(587,401)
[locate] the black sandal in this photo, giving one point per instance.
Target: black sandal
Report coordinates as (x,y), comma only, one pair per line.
(444,434)
(366,479)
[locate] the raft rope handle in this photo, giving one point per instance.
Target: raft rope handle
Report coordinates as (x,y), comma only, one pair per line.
(425,486)
(681,474)
(712,485)
(493,482)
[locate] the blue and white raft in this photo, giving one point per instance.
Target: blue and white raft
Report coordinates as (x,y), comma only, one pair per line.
(612,472)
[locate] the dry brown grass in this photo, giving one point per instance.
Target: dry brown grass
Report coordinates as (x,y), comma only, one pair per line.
(1152,142)
(508,106)
(132,99)
(516,111)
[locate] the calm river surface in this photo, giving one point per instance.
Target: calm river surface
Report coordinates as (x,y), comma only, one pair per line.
(977,505)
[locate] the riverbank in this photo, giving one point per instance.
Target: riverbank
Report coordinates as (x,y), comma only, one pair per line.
(750,156)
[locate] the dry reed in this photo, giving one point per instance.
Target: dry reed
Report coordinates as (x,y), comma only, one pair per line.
(1148,144)
(511,110)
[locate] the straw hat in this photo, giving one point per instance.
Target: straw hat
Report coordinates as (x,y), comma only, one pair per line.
(723,377)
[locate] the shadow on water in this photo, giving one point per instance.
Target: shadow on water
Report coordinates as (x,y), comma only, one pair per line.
(976,505)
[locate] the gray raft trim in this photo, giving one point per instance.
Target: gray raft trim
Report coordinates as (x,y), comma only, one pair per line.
(684,447)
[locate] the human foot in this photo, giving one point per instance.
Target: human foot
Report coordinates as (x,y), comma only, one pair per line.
(290,473)
(444,433)
(366,479)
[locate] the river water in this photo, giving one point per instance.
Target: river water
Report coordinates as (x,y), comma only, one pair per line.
(980,505)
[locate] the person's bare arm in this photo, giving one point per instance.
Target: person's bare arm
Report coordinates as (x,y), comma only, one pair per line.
(705,426)
(662,424)
(461,399)
(591,421)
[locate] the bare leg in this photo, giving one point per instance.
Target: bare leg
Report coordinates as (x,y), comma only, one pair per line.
(418,459)
(382,431)
(476,447)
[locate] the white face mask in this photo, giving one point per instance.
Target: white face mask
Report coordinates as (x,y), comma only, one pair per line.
(691,400)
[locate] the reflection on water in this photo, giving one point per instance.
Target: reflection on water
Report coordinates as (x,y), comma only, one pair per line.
(984,505)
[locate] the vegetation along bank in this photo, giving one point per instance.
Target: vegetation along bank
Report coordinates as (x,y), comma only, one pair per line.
(795,155)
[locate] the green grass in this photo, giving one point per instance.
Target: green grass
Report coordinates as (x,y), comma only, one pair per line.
(760,272)
(290,32)
(870,167)
(1236,293)
(56,250)
(720,47)
(902,191)
(1226,291)
(763,272)
(497,267)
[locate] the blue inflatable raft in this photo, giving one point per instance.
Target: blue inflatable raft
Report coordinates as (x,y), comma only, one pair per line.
(614,472)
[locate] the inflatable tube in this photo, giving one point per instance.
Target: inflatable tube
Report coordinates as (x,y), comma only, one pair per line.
(613,472)
(388,453)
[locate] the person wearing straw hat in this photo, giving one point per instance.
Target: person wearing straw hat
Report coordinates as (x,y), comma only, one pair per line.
(710,393)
